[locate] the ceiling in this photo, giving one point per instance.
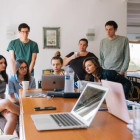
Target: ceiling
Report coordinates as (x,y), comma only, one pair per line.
(133,13)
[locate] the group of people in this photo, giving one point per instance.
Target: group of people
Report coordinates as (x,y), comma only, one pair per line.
(111,65)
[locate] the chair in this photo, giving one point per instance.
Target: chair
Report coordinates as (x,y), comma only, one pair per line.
(135,95)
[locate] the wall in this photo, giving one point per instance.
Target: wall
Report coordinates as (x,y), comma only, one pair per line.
(74,17)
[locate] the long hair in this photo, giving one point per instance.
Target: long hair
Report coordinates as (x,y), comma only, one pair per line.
(3,73)
(27,77)
(57,56)
(98,70)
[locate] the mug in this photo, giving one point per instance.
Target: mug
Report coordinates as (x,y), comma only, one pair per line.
(24,85)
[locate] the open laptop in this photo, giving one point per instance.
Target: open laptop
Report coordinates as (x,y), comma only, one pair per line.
(116,101)
(81,115)
(50,82)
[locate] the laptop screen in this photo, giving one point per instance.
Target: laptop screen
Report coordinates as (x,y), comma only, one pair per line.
(90,101)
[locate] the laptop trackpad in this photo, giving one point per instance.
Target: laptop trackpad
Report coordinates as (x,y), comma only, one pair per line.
(43,122)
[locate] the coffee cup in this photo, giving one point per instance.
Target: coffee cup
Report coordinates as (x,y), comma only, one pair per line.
(24,85)
(76,54)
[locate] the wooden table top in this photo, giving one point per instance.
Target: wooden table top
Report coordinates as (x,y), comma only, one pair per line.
(104,126)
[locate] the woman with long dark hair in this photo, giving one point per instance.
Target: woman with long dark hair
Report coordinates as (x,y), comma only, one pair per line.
(95,73)
(8,110)
(15,81)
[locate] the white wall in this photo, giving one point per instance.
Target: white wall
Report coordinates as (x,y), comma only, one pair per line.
(74,17)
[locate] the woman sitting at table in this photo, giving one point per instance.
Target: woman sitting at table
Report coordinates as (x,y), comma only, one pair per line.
(96,73)
(8,110)
(57,63)
(15,81)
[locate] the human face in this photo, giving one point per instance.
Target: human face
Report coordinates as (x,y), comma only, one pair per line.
(56,65)
(90,67)
(22,69)
(24,32)
(2,64)
(110,31)
(82,46)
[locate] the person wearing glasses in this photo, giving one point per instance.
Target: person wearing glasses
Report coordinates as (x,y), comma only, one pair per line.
(8,110)
(23,48)
(15,81)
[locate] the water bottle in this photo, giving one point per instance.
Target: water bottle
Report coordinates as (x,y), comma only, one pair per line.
(69,80)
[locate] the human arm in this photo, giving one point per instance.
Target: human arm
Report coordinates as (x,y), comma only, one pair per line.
(12,98)
(12,61)
(33,60)
(12,88)
(126,55)
(32,83)
(101,57)
(68,58)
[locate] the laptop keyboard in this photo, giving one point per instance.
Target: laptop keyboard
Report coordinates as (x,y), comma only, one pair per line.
(65,120)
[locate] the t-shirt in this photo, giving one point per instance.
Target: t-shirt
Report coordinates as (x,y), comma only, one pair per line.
(77,65)
(23,50)
(14,85)
(114,54)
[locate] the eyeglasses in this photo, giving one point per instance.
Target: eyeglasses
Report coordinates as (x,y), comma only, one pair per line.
(27,32)
(22,68)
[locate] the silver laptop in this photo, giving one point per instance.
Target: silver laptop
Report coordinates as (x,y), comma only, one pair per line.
(81,115)
(50,82)
(116,101)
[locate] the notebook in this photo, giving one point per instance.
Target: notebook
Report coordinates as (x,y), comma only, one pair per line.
(81,115)
(50,82)
(116,101)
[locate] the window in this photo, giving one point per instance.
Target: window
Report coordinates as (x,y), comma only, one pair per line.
(134,56)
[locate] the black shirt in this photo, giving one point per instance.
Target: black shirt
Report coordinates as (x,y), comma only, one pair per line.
(77,65)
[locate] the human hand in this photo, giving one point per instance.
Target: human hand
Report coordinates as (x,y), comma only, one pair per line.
(121,73)
(62,73)
(75,55)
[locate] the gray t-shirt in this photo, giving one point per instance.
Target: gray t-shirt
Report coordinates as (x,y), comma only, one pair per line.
(114,54)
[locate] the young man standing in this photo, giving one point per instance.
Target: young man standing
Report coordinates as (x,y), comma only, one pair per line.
(114,50)
(23,48)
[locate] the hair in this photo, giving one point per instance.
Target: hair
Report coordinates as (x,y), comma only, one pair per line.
(23,25)
(98,70)
(27,77)
(84,39)
(3,73)
(57,56)
(112,23)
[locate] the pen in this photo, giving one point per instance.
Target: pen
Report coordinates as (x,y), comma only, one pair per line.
(103,109)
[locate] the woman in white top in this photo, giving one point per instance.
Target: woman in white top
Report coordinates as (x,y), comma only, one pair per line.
(8,110)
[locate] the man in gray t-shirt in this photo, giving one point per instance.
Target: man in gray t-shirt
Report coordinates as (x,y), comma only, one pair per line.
(114,50)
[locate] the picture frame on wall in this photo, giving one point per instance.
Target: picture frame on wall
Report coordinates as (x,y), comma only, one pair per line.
(51,37)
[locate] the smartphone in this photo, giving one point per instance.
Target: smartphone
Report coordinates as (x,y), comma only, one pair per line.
(44,108)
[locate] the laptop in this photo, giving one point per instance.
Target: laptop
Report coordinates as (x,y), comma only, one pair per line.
(50,82)
(81,115)
(116,102)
